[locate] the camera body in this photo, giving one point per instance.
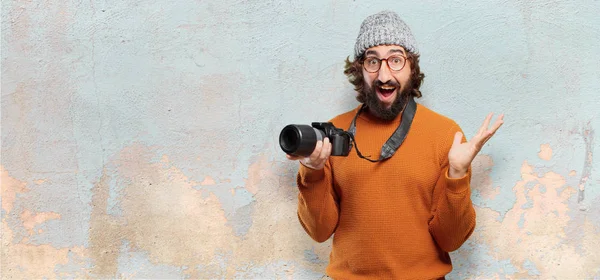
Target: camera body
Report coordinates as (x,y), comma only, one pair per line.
(339,139)
(301,140)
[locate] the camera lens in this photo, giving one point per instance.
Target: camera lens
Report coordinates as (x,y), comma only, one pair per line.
(299,140)
(290,138)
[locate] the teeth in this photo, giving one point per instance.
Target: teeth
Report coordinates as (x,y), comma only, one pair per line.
(387,87)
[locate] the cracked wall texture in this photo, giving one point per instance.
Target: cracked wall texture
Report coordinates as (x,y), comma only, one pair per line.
(139,139)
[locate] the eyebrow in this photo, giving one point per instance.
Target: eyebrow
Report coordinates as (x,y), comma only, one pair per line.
(372,52)
(396,51)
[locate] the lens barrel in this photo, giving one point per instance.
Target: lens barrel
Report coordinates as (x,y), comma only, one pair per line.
(299,140)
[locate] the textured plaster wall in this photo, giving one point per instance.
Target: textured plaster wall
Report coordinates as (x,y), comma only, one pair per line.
(139,139)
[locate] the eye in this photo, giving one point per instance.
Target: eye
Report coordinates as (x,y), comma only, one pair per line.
(397,60)
(372,61)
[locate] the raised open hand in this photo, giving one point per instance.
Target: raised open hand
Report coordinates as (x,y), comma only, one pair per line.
(462,154)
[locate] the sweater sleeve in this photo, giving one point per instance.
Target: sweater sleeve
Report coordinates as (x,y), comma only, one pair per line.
(318,206)
(453,215)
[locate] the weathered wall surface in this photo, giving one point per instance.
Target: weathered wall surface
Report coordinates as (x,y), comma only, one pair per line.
(139,139)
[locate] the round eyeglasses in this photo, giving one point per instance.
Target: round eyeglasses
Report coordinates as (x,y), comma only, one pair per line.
(395,62)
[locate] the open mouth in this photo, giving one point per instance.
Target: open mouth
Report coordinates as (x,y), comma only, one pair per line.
(386,93)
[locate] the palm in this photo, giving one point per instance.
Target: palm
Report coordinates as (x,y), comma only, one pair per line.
(462,154)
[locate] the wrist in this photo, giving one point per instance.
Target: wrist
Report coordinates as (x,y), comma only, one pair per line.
(309,174)
(308,165)
(456,173)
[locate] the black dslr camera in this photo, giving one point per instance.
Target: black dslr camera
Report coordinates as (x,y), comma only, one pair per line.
(301,140)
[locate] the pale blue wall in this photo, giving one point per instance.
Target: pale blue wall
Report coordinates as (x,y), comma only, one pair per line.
(139,139)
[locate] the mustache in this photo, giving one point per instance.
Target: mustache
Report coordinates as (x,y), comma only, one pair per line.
(391,83)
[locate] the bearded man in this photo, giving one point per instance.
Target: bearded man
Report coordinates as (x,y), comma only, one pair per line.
(398,214)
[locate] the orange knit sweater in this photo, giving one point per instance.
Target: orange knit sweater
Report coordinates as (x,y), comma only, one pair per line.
(395,219)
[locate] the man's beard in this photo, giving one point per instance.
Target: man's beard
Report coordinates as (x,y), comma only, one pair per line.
(378,108)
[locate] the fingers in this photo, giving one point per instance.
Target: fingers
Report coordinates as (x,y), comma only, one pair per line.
(489,133)
(292,157)
(316,152)
(314,156)
(326,151)
(457,138)
(497,124)
(319,156)
(485,125)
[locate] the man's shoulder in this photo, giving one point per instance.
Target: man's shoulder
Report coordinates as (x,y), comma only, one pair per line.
(430,117)
(343,120)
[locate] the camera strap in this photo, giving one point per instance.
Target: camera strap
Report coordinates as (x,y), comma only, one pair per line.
(394,142)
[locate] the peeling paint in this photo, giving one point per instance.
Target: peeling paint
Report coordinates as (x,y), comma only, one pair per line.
(30,220)
(208,181)
(21,260)
(171,223)
(10,187)
(537,230)
(545,152)
(481,181)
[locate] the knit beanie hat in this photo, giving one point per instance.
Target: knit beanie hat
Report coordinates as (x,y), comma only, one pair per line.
(384,28)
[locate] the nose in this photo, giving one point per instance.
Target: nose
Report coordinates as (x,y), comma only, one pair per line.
(384,75)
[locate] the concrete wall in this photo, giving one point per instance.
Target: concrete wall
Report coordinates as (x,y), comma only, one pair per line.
(139,139)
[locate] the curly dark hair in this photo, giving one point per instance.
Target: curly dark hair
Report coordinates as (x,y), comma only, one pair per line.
(353,71)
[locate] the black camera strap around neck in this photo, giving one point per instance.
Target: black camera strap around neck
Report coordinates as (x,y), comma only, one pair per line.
(394,142)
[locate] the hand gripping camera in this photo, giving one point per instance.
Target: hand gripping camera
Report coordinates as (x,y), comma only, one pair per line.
(301,140)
